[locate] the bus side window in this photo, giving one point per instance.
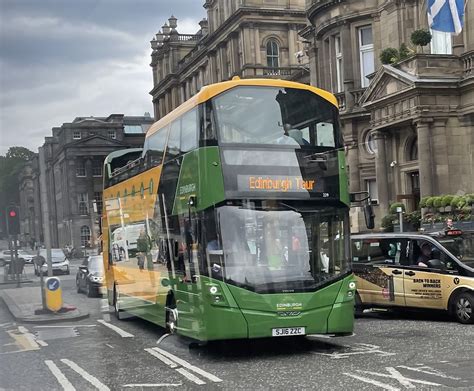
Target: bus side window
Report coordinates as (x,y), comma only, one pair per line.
(173,147)
(189,131)
(154,148)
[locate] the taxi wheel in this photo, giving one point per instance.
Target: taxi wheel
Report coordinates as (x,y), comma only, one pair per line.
(463,308)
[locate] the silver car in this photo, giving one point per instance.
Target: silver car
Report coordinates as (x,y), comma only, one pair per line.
(59,262)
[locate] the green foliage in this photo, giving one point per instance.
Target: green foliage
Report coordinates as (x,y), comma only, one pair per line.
(462,202)
(10,167)
(438,202)
(446,200)
(455,201)
(395,205)
(389,56)
(421,37)
(404,52)
(429,202)
(423,202)
(387,222)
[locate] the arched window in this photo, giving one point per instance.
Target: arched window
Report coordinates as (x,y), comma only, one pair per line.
(273,54)
(412,149)
(85,236)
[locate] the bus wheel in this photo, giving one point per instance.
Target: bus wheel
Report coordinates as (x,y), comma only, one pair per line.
(463,308)
(117,311)
(171,317)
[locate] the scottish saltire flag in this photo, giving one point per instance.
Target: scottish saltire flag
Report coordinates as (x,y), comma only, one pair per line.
(446,15)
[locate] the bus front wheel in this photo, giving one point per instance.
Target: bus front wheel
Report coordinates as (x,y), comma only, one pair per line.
(171,316)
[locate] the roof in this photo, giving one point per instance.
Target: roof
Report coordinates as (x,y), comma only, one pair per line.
(213,90)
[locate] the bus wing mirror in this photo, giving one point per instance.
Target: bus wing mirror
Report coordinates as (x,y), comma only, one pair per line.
(369,216)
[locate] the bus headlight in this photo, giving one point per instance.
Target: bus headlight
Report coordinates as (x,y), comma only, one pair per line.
(352,285)
(213,290)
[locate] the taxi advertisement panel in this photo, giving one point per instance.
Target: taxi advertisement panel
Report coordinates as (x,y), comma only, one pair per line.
(418,271)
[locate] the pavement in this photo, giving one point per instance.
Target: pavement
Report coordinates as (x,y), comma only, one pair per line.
(24,302)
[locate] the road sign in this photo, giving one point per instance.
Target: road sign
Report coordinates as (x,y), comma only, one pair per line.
(53,293)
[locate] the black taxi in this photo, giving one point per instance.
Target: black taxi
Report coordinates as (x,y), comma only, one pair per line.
(430,271)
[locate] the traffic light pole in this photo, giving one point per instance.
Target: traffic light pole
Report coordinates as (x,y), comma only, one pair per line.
(17,266)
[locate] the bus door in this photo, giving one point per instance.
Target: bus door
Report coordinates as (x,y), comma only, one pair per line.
(378,263)
(186,256)
(425,286)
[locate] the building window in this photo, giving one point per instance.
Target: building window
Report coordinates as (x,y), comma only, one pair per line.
(338,52)
(113,135)
(273,56)
(97,168)
(370,143)
(98,202)
(83,203)
(85,236)
(412,152)
(76,135)
(366,51)
(80,169)
(441,42)
(371,186)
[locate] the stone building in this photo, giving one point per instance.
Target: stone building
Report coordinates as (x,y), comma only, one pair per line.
(74,156)
(408,126)
(247,38)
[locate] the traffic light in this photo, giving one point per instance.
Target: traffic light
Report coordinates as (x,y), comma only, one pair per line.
(13,220)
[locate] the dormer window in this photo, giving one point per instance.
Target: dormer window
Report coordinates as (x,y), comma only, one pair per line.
(76,135)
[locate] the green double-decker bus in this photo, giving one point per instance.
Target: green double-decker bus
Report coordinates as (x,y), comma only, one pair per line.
(233,220)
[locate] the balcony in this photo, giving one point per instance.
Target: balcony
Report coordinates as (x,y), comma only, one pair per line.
(468,63)
(270,72)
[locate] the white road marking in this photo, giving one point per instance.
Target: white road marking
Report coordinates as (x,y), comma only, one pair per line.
(91,379)
(5,324)
(41,342)
(189,366)
(372,381)
(162,338)
(357,349)
(118,330)
(154,385)
(110,346)
(61,327)
(59,376)
(429,371)
(394,374)
(29,338)
(162,358)
(190,376)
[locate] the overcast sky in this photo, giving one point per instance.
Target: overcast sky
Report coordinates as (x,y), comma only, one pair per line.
(60,59)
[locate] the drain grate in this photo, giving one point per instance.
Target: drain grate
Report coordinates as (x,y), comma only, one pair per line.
(57,333)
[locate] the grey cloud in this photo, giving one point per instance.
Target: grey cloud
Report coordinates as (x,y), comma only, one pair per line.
(62,59)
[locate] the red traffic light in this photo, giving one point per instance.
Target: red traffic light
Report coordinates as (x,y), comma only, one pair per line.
(12,213)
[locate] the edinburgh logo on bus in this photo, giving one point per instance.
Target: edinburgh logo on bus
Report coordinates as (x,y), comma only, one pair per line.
(270,183)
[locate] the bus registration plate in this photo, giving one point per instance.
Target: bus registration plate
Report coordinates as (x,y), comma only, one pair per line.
(287,331)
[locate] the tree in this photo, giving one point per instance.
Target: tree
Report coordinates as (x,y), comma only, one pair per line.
(10,167)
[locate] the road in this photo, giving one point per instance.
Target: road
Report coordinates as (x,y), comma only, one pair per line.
(388,352)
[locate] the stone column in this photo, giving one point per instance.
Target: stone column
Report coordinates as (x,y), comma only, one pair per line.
(291,45)
(381,172)
(258,53)
(425,161)
(313,66)
(350,139)
(347,65)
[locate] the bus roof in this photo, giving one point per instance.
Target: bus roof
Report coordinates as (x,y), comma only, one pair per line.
(213,90)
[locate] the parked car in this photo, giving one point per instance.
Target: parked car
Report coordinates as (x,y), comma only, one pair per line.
(5,256)
(26,256)
(90,276)
(59,262)
(410,270)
